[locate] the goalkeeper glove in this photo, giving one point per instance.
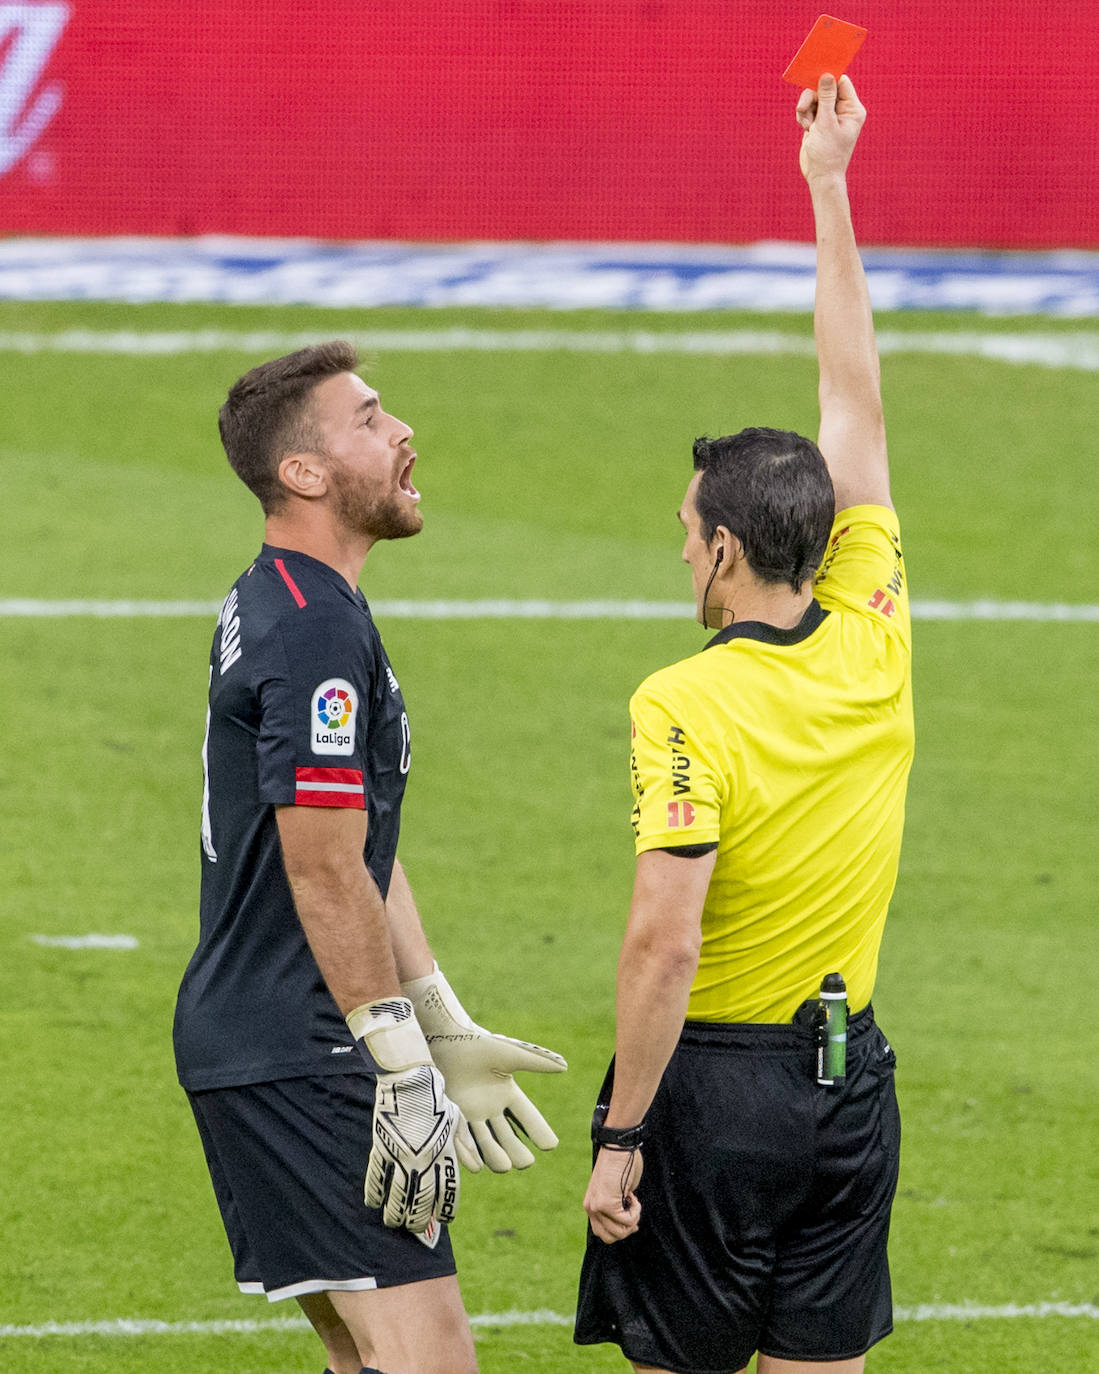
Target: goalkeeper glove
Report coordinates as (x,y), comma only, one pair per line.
(413,1170)
(478,1068)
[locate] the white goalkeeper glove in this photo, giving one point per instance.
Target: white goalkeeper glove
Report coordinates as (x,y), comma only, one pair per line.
(478,1068)
(413,1170)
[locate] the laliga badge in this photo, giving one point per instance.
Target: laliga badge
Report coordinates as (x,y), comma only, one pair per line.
(335,704)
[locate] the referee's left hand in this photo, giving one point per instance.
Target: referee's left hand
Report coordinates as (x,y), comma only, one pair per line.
(831,118)
(611,1201)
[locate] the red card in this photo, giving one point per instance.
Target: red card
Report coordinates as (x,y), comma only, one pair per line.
(831,45)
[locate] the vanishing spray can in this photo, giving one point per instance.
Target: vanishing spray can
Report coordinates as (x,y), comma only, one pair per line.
(832,1033)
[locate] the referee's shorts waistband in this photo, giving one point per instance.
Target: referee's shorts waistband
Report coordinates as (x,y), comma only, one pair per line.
(766,1036)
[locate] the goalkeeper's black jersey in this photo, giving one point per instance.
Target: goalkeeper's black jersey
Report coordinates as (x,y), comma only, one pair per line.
(304,710)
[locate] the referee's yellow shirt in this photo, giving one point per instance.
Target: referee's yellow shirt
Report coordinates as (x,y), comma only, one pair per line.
(790,749)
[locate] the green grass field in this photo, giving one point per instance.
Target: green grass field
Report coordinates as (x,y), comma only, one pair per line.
(552,475)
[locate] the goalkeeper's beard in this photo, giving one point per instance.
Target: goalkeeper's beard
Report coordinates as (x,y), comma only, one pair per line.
(387,515)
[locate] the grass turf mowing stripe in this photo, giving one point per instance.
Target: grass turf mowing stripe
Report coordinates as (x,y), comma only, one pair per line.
(1077,350)
(537,610)
(924,1312)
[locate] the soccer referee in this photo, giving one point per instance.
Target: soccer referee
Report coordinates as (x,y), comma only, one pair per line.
(769,773)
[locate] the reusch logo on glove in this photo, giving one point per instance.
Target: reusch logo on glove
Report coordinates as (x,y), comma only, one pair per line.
(450,1183)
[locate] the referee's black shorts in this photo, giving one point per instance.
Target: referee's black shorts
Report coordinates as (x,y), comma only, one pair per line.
(288,1161)
(765,1207)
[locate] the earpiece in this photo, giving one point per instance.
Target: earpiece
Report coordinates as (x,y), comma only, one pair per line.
(719,558)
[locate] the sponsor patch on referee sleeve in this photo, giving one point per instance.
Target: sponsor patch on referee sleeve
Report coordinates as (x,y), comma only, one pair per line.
(329,787)
(332,717)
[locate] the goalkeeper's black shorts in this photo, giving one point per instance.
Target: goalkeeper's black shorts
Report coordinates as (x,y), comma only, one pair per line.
(765,1205)
(288,1161)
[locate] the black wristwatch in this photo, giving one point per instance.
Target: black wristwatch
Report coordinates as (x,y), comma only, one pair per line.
(616,1137)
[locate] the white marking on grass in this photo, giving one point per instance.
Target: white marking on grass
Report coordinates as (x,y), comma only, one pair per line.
(1003,610)
(86,941)
(125,610)
(539,610)
(1076,350)
(542,1316)
(143,1326)
(136,1326)
(971,1311)
(533,610)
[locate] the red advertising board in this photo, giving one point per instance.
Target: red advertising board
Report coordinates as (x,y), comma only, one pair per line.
(644,120)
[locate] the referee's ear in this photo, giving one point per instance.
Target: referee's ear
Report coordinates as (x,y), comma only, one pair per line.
(726,548)
(304,475)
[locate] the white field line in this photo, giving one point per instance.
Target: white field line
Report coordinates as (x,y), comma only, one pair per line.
(86,941)
(1077,350)
(537,610)
(925,1312)
(967,1312)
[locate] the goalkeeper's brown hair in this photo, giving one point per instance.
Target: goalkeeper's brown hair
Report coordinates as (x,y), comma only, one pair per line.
(267,415)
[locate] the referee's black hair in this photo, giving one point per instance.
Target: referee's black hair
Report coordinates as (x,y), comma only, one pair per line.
(771,488)
(267,415)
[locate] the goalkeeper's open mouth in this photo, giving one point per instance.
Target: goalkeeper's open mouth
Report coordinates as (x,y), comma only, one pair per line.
(405,480)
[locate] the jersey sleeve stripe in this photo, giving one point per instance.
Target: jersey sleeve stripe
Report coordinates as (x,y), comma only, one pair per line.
(330,775)
(294,589)
(347,787)
(321,794)
(330,787)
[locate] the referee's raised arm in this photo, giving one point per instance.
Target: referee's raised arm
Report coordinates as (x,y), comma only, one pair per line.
(852,428)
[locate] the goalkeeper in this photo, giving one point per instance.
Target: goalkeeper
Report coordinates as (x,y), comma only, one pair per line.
(334,1076)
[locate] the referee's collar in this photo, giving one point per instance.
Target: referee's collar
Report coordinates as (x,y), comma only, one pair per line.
(771,634)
